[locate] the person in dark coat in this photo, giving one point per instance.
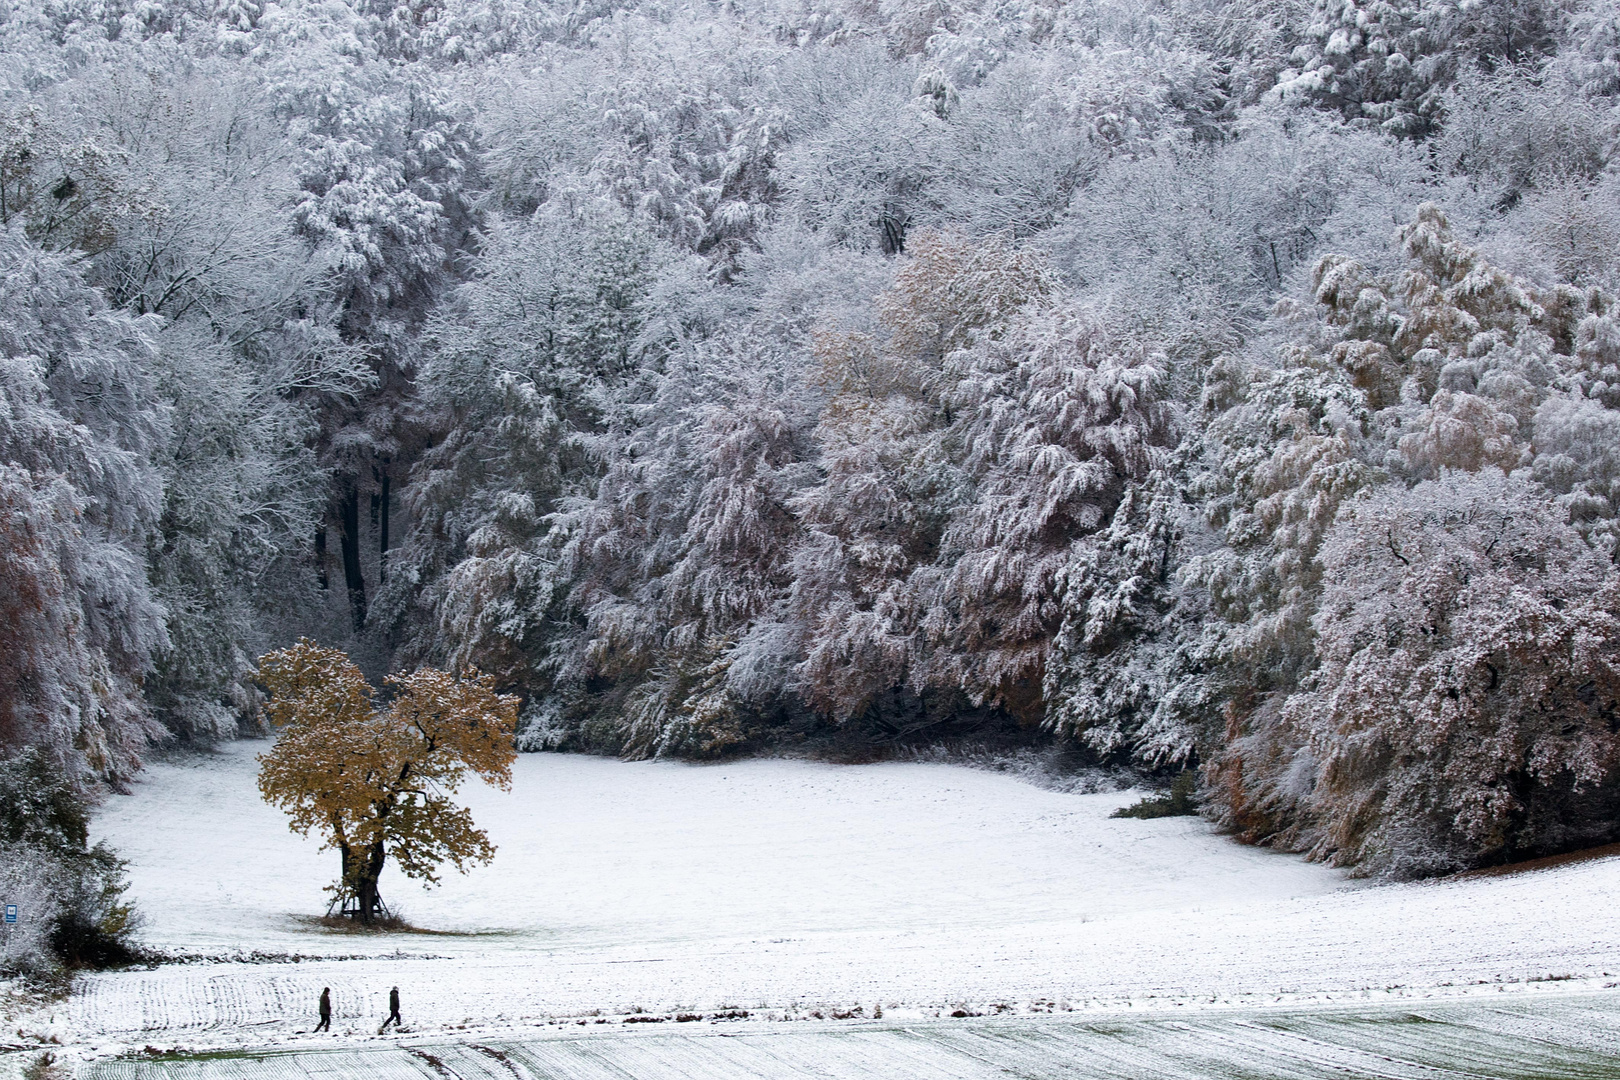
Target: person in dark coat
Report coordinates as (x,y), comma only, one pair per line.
(393,1011)
(326,1010)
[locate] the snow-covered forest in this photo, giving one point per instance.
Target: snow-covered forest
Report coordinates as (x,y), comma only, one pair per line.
(1216,384)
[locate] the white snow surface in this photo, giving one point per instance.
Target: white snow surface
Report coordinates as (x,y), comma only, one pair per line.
(596,851)
(786,887)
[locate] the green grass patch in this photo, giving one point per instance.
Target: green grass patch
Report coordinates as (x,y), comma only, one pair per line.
(1180,801)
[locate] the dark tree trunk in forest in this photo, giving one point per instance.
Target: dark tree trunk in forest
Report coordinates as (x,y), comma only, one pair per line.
(892,233)
(382,528)
(350,519)
(320,555)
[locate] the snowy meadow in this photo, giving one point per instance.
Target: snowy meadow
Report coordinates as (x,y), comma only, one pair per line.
(795,892)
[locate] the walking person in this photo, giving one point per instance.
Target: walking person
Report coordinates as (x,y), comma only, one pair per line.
(326,1010)
(393,1011)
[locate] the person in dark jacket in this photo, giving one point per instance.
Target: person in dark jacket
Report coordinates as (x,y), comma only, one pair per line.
(393,1011)
(326,1010)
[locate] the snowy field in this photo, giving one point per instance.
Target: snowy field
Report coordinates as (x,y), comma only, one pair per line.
(1570,1037)
(801,891)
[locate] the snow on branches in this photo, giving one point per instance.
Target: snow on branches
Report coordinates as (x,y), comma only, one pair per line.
(741,375)
(1467,705)
(79,501)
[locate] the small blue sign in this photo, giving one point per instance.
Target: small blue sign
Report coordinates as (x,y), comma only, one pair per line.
(11,913)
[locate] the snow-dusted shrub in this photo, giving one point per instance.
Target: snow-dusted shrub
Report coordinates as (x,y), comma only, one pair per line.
(1180,801)
(93,928)
(29,879)
(68,894)
(1467,706)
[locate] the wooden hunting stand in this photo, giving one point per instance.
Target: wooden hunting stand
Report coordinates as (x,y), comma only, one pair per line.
(348,906)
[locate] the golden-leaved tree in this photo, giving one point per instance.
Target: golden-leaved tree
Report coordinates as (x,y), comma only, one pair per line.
(377,781)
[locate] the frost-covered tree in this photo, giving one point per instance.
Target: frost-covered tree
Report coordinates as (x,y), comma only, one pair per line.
(80,425)
(1388,66)
(386,174)
(528,367)
(679,120)
(892,477)
(682,562)
(1465,705)
(886,142)
(1063,425)
(247,329)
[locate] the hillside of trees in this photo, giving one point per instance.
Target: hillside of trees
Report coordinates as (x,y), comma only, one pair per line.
(1215,384)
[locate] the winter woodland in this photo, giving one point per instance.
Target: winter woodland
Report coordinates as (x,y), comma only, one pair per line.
(1215,384)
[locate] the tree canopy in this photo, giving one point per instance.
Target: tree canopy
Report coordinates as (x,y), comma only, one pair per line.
(829,375)
(376,782)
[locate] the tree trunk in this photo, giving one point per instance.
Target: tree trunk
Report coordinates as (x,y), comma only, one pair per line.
(360,876)
(367,898)
(382,528)
(320,554)
(892,233)
(352,575)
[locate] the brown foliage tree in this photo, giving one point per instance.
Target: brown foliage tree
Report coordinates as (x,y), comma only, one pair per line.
(1467,705)
(377,782)
(892,459)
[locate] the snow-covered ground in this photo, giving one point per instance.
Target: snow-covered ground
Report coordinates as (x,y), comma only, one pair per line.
(1526,1037)
(788,889)
(598,852)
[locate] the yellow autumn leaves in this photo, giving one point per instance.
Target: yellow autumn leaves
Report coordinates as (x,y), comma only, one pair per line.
(375,782)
